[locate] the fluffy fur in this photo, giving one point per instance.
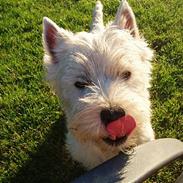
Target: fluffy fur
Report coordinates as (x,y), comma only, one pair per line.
(100,58)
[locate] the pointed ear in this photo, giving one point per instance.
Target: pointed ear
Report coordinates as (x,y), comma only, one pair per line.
(50,31)
(125,19)
(53,36)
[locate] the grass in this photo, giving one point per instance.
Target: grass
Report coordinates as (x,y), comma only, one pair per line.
(32,129)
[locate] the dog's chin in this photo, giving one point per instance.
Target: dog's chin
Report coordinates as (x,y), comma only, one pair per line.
(116,142)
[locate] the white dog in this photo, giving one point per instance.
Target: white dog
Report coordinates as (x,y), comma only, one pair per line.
(102,78)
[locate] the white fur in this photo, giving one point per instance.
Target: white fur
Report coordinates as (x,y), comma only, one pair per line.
(100,56)
(97,22)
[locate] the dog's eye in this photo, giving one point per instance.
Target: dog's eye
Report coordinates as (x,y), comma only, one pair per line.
(80,85)
(126,75)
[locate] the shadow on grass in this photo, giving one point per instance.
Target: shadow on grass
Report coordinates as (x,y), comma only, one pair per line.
(51,163)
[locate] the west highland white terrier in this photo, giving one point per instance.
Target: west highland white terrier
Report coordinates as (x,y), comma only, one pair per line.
(102,78)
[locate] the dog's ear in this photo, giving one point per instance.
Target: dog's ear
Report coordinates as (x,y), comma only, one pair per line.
(53,36)
(125,19)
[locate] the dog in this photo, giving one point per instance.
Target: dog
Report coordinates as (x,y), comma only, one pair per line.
(102,78)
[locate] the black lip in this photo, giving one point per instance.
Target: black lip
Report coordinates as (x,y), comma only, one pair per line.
(116,142)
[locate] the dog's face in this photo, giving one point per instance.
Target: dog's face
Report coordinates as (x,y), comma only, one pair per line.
(101,76)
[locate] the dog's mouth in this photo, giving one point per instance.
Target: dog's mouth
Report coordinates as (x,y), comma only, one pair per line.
(118,141)
(119,130)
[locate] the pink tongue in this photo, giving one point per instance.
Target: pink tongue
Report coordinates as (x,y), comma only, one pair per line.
(121,127)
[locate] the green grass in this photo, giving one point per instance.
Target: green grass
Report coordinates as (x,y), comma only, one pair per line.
(32,129)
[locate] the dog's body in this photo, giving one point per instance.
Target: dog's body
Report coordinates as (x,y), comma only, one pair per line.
(102,78)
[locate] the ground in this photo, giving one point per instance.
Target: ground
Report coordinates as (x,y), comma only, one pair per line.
(32,129)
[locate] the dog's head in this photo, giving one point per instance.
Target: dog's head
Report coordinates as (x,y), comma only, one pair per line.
(102,78)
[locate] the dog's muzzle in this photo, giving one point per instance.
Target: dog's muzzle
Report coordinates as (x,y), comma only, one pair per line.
(117,124)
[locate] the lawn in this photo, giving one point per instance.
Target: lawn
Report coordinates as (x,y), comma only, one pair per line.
(32,128)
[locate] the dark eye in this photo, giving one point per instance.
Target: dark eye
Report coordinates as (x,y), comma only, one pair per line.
(80,85)
(126,75)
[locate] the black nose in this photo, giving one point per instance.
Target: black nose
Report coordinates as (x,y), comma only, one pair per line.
(112,114)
